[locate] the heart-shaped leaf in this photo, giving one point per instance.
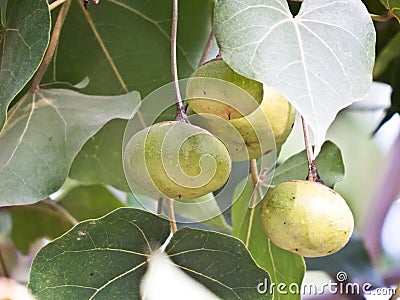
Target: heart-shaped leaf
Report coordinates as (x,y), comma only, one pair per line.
(284,267)
(24,35)
(107,258)
(104,258)
(219,262)
(44,133)
(321,60)
(393,6)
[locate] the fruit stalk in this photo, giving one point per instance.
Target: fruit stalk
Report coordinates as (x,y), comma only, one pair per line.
(312,167)
(55,36)
(180,109)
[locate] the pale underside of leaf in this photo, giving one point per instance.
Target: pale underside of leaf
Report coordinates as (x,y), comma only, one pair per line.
(321,60)
(43,134)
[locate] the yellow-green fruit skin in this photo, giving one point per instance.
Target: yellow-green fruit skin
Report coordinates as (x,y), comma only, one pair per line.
(167,158)
(218,98)
(306,218)
(260,132)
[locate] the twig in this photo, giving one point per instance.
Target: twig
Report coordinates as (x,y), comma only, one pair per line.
(207,48)
(55,36)
(56,3)
(382,18)
(255,178)
(180,109)
(160,203)
(57,207)
(171,215)
(3,265)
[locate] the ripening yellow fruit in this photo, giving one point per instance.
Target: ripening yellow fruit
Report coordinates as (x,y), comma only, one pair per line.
(306,218)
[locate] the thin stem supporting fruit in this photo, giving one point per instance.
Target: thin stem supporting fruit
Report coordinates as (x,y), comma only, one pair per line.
(55,36)
(255,178)
(3,266)
(312,167)
(180,109)
(56,4)
(382,18)
(171,215)
(57,207)
(207,48)
(160,203)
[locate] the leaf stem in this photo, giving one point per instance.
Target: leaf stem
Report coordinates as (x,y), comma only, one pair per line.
(180,109)
(57,207)
(255,178)
(207,48)
(3,265)
(171,215)
(55,36)
(382,18)
(56,4)
(160,203)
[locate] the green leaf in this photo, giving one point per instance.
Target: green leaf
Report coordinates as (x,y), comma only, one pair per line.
(100,159)
(36,221)
(24,36)
(103,258)
(329,163)
(393,6)
(321,60)
(125,45)
(89,202)
(44,133)
(386,56)
(284,267)
(107,258)
(219,262)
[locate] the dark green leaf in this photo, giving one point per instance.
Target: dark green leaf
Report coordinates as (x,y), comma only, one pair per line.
(387,55)
(284,267)
(100,159)
(36,221)
(103,258)
(89,202)
(329,163)
(24,35)
(298,56)
(44,133)
(219,262)
(125,45)
(392,77)
(40,220)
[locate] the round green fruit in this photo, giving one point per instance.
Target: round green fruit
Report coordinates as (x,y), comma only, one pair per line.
(306,218)
(177,160)
(214,88)
(262,131)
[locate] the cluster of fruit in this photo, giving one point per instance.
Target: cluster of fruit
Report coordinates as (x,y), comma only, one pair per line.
(235,118)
